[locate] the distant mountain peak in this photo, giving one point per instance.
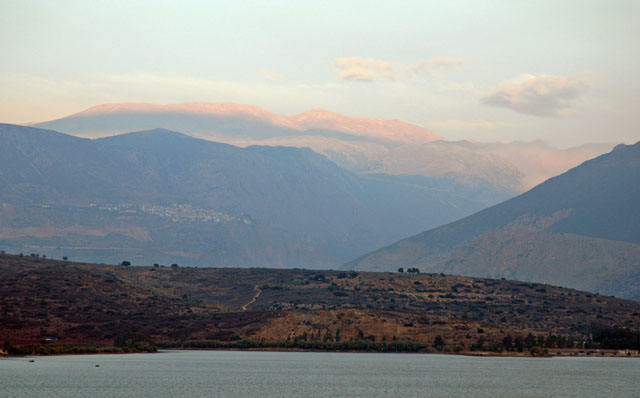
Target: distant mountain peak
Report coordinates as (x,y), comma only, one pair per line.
(227,109)
(387,130)
(157,133)
(158,137)
(113,108)
(315,119)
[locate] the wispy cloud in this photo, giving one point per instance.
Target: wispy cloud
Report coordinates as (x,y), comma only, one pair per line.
(538,95)
(430,66)
(271,75)
(370,69)
(363,69)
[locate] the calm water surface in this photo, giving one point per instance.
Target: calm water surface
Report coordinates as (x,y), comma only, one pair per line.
(232,374)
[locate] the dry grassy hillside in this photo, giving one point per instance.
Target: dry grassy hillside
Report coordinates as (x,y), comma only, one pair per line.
(224,307)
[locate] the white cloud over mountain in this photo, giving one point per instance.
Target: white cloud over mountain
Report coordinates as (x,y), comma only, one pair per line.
(538,95)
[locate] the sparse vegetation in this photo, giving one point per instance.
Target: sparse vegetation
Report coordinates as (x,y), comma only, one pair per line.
(279,308)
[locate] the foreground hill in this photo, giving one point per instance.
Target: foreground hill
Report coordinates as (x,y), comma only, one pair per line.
(161,196)
(363,145)
(580,229)
(224,307)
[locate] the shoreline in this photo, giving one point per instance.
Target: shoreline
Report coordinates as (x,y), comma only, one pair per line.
(561,353)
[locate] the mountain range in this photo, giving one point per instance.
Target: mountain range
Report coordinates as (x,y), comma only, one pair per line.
(159,196)
(580,229)
(362,145)
(209,119)
(322,189)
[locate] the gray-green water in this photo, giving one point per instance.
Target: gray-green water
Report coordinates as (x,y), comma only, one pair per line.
(229,374)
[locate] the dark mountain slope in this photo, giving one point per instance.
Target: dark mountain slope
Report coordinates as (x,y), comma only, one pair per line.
(161,196)
(580,229)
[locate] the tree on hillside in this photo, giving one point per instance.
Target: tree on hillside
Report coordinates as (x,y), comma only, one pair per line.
(518,343)
(438,342)
(529,341)
(507,342)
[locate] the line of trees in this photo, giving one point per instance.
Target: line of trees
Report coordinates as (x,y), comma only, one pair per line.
(351,345)
(615,338)
(412,270)
(601,337)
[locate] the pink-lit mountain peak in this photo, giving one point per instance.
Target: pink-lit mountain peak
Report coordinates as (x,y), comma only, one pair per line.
(315,119)
(222,109)
(392,130)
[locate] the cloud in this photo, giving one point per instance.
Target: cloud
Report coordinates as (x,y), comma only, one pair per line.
(370,69)
(430,66)
(271,75)
(540,95)
(363,69)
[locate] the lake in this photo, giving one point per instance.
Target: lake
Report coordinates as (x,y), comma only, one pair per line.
(230,374)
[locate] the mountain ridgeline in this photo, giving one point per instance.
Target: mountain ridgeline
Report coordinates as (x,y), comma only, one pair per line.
(580,229)
(216,119)
(163,197)
(358,144)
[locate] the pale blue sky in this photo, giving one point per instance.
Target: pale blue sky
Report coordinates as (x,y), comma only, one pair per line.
(562,71)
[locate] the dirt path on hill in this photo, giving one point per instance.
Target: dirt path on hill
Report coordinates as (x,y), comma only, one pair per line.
(253,300)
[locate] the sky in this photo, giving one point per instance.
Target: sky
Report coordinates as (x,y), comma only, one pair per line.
(565,72)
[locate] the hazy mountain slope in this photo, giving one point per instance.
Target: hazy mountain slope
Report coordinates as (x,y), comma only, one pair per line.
(46,166)
(538,161)
(456,160)
(161,196)
(580,229)
(506,167)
